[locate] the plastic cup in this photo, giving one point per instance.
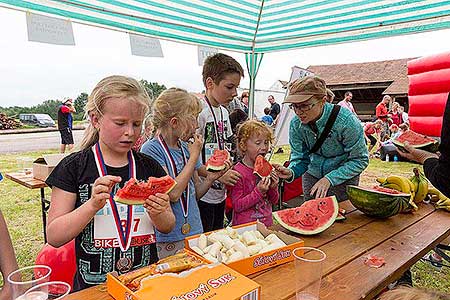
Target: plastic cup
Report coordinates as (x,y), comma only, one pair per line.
(52,290)
(25,278)
(308,272)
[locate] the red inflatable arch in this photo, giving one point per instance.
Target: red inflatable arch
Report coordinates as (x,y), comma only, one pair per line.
(429,86)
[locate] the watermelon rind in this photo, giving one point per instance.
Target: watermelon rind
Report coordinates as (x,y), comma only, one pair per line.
(309,232)
(129,201)
(430,145)
(376,203)
(213,168)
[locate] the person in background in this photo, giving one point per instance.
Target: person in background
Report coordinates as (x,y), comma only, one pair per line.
(436,167)
(8,262)
(244,101)
(403,127)
(340,159)
(176,147)
(346,102)
(274,109)
(267,118)
(382,113)
(65,124)
(395,131)
(404,114)
(396,115)
(145,135)
(84,184)
(252,197)
(330,96)
(410,293)
(221,76)
(372,133)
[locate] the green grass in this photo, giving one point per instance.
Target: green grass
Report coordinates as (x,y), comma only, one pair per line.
(22,210)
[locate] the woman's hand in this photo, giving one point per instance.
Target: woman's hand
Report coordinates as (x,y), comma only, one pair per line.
(230,177)
(414,154)
(157,204)
(213,176)
(321,187)
(101,190)
(274,180)
(282,172)
(263,185)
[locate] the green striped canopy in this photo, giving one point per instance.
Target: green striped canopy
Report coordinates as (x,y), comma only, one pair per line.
(251,26)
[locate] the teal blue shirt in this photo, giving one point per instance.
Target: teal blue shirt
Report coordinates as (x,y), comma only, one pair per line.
(343,154)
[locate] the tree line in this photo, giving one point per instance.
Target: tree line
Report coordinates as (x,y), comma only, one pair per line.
(50,107)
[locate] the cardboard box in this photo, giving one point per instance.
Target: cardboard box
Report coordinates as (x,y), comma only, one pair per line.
(212,282)
(43,166)
(260,261)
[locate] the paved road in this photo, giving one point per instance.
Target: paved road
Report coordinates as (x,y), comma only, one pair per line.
(24,142)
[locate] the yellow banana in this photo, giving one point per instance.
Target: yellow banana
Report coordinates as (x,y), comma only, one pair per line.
(446,207)
(381,180)
(392,186)
(403,182)
(422,186)
(434,191)
(443,201)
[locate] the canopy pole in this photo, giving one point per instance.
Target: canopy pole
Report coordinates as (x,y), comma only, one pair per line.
(253,61)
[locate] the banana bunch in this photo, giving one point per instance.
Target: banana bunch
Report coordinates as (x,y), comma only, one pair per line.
(420,184)
(442,202)
(401,184)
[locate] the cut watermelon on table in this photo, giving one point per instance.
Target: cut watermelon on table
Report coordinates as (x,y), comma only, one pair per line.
(135,192)
(312,217)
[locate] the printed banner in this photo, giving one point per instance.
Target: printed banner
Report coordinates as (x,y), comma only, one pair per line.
(49,30)
(204,52)
(145,46)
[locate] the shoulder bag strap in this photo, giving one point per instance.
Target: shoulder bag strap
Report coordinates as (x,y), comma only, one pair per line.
(327,129)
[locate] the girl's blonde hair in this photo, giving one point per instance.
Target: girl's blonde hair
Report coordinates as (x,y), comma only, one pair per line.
(249,128)
(115,86)
(408,293)
(174,103)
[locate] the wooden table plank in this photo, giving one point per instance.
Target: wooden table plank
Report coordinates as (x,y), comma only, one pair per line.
(281,279)
(26,180)
(400,253)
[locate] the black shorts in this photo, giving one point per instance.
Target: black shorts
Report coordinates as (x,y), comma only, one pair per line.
(66,136)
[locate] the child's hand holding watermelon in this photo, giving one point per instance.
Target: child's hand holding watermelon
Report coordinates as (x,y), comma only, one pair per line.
(102,189)
(159,209)
(263,185)
(213,176)
(274,179)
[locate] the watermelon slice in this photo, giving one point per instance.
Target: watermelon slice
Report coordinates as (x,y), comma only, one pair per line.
(262,167)
(135,192)
(217,161)
(417,141)
(312,217)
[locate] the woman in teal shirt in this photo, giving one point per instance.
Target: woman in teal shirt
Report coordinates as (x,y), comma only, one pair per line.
(341,158)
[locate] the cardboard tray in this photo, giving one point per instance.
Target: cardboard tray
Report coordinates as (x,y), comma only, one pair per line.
(210,281)
(260,261)
(43,166)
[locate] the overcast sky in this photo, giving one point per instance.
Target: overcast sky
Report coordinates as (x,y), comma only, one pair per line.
(33,72)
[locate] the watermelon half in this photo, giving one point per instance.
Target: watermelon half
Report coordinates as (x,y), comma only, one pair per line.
(417,141)
(217,161)
(135,192)
(262,167)
(379,202)
(312,217)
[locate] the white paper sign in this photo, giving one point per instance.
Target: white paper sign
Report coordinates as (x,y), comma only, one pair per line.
(49,30)
(145,46)
(204,52)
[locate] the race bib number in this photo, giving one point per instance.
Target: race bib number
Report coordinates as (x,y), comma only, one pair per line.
(105,233)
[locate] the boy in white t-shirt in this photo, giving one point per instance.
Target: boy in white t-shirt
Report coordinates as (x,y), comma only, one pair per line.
(221,77)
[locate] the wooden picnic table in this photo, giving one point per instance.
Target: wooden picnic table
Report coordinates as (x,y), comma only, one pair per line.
(28,181)
(402,240)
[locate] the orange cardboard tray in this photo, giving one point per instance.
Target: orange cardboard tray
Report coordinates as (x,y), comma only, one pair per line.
(260,261)
(210,281)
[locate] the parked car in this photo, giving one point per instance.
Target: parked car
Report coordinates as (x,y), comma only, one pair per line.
(41,120)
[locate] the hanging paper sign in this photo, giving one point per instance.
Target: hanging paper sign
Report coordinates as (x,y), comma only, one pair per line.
(204,52)
(145,46)
(49,30)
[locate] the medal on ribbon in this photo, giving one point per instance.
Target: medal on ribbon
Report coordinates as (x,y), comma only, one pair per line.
(124,264)
(184,199)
